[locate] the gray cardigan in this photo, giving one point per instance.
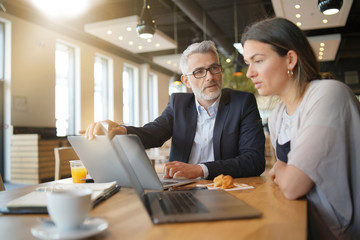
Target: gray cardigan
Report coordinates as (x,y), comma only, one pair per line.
(325,145)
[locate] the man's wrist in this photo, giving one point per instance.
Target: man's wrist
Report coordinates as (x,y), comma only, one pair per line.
(124,127)
(205,171)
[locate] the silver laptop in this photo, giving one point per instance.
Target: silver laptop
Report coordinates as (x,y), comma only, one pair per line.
(183,206)
(103,164)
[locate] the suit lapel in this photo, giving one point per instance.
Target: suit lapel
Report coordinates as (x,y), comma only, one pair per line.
(191,121)
(220,122)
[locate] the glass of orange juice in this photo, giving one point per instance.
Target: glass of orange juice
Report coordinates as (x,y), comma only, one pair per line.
(78,171)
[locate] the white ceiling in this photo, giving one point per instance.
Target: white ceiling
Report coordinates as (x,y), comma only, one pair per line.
(311,18)
(123,31)
(170,62)
(123,34)
(325,46)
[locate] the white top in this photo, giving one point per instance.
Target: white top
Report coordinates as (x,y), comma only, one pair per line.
(325,145)
(286,126)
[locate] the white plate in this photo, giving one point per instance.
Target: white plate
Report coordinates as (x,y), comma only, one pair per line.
(90,227)
(237,186)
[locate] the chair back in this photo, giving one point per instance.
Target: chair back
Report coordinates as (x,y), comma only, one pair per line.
(2,187)
(62,157)
(270,156)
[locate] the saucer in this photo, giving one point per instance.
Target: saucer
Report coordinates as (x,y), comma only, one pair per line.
(91,226)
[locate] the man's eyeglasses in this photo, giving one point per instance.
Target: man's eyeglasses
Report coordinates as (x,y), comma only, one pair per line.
(201,72)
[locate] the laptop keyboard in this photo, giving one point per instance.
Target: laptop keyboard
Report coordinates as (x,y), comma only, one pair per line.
(180,203)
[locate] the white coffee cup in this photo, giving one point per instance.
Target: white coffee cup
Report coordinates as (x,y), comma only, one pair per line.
(69,208)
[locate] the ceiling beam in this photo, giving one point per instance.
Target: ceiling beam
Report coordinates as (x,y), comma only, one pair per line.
(195,12)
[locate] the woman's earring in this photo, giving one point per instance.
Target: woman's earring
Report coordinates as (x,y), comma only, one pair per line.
(290,73)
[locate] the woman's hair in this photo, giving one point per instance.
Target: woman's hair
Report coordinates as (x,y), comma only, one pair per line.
(201,47)
(283,35)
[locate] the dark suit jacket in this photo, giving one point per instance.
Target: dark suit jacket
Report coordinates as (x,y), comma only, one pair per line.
(238,134)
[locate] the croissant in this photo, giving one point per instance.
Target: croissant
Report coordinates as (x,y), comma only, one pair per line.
(227,182)
(218,180)
(224,182)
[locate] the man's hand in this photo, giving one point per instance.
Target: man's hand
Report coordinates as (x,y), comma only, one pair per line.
(179,169)
(96,129)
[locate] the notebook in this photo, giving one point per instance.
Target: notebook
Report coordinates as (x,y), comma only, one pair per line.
(182,206)
(103,164)
(35,202)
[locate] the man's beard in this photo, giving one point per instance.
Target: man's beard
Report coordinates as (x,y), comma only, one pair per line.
(200,93)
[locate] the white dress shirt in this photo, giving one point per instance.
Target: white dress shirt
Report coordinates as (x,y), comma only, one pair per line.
(203,149)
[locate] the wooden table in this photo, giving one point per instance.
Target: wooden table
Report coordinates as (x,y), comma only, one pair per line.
(282,219)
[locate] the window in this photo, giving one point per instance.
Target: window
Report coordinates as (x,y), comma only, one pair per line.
(128,96)
(5,97)
(65,89)
(2,97)
(101,89)
(131,96)
(2,52)
(153,97)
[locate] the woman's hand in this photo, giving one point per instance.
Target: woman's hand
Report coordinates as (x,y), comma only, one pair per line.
(272,174)
(292,182)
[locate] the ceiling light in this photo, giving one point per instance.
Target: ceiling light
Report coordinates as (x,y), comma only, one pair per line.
(131,43)
(321,49)
(61,8)
(321,53)
(239,48)
(330,7)
(298,24)
(119,26)
(298,15)
(175,79)
(297,6)
(325,21)
(322,44)
(109,32)
(237,69)
(146,25)
(128,29)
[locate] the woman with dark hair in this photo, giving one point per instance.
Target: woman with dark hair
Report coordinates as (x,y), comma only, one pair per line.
(315,130)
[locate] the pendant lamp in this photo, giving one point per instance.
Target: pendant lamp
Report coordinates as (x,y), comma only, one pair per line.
(330,7)
(146,25)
